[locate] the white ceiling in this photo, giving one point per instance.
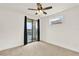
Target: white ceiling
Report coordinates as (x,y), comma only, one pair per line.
(23,8)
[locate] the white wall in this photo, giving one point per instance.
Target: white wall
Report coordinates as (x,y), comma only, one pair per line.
(66,34)
(11,29)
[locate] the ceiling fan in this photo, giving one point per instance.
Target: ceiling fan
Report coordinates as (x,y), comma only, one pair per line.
(40,9)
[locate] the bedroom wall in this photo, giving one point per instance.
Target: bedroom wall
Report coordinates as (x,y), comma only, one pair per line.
(66,34)
(11,29)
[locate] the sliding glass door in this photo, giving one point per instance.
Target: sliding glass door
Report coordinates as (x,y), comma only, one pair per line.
(31,30)
(35,30)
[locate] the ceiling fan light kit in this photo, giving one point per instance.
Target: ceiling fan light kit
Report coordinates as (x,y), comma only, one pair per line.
(39,12)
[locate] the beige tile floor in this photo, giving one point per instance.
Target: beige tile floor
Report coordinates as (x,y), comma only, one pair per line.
(38,49)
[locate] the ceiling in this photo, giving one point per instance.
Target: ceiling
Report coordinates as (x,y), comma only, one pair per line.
(23,8)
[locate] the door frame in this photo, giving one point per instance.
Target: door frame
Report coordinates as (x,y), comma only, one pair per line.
(25,30)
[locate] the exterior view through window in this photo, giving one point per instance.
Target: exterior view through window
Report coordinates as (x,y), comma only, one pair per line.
(32,30)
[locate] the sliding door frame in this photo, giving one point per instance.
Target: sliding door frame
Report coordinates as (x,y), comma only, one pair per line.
(38,21)
(25,30)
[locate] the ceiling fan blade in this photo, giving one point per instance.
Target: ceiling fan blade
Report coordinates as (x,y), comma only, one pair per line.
(44,12)
(31,9)
(47,8)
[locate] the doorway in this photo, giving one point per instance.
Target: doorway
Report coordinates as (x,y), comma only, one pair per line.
(31,30)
